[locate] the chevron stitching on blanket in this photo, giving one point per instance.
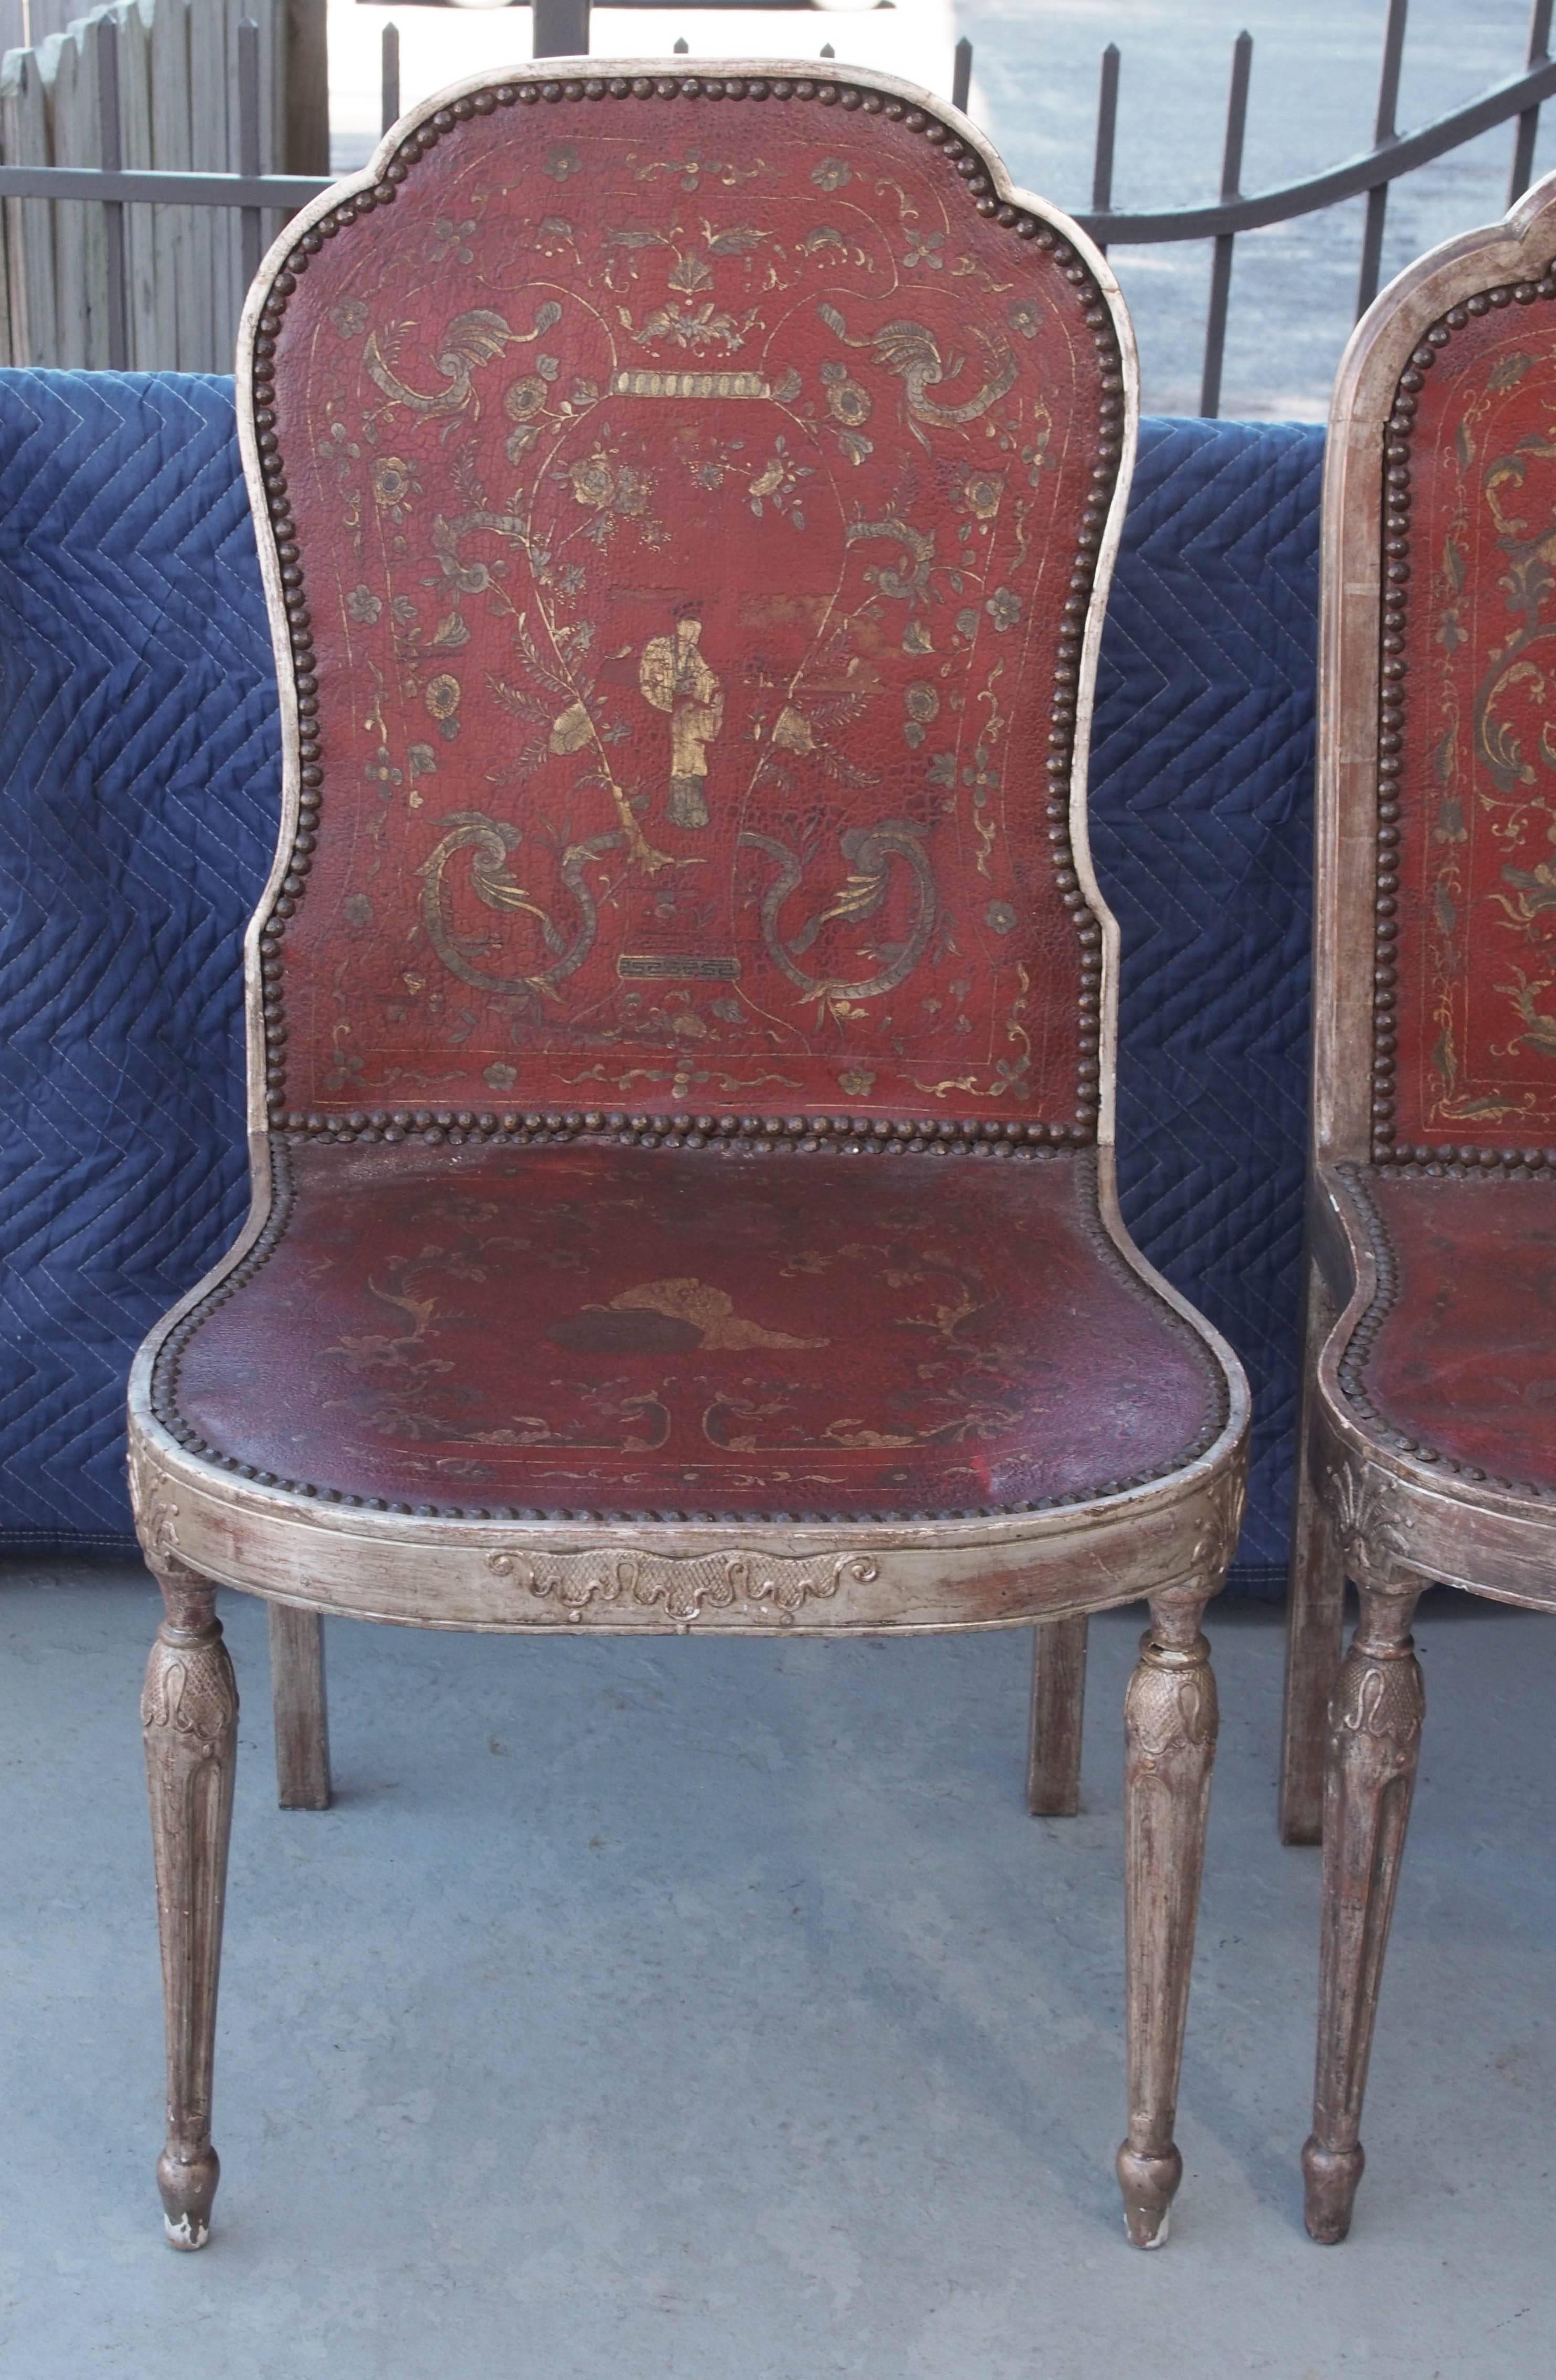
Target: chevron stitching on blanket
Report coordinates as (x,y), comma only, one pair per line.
(1201,773)
(139,760)
(138,765)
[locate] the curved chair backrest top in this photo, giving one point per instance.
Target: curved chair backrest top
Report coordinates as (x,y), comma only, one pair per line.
(1435,950)
(687,529)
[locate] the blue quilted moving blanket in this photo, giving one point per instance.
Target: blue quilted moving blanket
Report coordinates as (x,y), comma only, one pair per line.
(138,758)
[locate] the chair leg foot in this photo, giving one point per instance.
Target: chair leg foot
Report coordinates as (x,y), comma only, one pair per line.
(188,2189)
(188,1714)
(1329,2179)
(1170,1738)
(1149,2185)
(1058,1701)
(1374,1743)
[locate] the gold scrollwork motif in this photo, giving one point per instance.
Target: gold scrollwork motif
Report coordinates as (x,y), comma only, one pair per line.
(869,852)
(685,1586)
(489,843)
(912,352)
(471,339)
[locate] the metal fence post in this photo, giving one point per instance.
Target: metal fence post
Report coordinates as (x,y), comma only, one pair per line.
(111,147)
(1220,268)
(561,29)
(961,74)
(1386,132)
(1529,123)
(389,78)
(1107,128)
(248,138)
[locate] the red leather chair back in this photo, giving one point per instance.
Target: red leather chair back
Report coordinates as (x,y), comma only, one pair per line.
(686,515)
(1465,1056)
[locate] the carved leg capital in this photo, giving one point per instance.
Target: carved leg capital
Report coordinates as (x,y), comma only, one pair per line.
(1375,1721)
(188,1715)
(1170,1724)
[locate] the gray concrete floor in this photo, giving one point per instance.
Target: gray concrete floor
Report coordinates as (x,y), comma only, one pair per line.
(714,2011)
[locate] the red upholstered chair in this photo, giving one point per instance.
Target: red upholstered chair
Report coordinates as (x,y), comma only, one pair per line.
(681,1015)
(1429,1429)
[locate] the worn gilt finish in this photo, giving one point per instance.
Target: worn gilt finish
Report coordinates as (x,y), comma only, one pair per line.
(682,1012)
(1428,1451)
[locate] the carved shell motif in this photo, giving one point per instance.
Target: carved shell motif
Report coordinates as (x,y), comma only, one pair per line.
(762,1586)
(1370,1536)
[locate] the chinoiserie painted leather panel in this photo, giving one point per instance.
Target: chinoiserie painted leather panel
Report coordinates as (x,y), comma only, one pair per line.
(687,574)
(1456,1354)
(1475,770)
(530,1329)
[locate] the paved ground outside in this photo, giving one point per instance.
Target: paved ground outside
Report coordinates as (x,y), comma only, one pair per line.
(1312,104)
(701,2010)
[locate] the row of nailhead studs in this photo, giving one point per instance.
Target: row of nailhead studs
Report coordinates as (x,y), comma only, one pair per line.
(1358,1355)
(1066,675)
(164,1373)
(679,1131)
(1390,731)
(164,1405)
(192,1443)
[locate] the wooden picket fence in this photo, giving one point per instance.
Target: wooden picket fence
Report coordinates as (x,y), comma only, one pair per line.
(176,65)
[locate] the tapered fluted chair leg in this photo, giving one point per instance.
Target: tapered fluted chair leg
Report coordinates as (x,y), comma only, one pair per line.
(1374,1742)
(1058,1701)
(1171,1719)
(188,1715)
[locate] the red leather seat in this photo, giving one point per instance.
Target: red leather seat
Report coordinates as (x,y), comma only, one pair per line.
(588,1329)
(1456,1355)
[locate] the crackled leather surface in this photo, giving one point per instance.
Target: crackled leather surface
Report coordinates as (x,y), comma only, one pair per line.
(1477,905)
(687,500)
(1459,1352)
(586,1327)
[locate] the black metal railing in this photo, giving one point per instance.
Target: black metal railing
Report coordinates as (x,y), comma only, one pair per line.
(561,29)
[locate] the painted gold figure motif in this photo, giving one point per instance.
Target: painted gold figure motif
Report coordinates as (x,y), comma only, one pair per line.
(674,677)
